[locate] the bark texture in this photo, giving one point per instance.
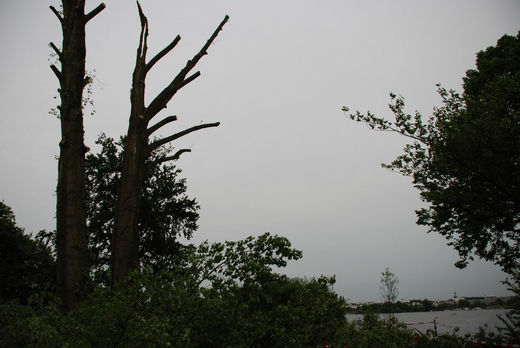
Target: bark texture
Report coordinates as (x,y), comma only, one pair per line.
(72,277)
(138,149)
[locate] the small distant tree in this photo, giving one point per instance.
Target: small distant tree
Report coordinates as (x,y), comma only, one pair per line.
(389,287)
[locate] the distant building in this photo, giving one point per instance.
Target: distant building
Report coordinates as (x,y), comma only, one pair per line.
(485,300)
(416,303)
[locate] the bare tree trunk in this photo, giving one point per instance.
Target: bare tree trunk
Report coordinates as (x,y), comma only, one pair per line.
(71,240)
(124,243)
(137,148)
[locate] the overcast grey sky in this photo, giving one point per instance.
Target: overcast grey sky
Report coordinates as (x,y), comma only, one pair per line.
(285,159)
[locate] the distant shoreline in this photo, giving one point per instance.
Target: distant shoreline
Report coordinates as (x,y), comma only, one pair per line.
(426,305)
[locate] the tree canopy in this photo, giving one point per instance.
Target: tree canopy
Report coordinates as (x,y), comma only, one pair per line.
(465,158)
(27,265)
(166,214)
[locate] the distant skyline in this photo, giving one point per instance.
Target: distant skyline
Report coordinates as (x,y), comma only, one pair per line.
(285,158)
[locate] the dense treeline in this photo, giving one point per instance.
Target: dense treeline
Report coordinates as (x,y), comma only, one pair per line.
(426,305)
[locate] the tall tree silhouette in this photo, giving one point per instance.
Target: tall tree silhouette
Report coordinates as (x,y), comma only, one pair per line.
(71,239)
(138,146)
(465,158)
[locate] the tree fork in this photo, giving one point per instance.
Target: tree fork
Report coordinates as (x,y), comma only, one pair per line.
(180,80)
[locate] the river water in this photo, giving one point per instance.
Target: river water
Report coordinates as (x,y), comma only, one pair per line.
(468,321)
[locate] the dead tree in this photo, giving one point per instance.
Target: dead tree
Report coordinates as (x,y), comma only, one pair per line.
(138,147)
(71,230)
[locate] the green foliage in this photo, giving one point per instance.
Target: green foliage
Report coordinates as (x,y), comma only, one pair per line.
(166,211)
(288,312)
(27,264)
(511,320)
(33,325)
(374,332)
(223,295)
(465,159)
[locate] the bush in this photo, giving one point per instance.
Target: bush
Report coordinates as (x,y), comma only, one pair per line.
(224,294)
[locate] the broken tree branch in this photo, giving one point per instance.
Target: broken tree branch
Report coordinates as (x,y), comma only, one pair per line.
(163,141)
(87,80)
(176,155)
(53,46)
(168,158)
(56,13)
(161,123)
(204,49)
(141,13)
(180,80)
(56,71)
(94,12)
(161,54)
(143,39)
